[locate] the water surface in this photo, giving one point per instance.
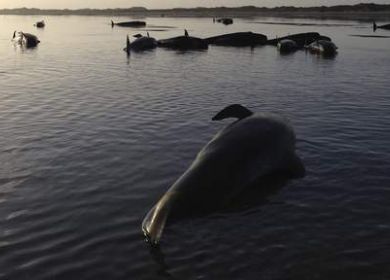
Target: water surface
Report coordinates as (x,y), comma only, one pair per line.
(90,139)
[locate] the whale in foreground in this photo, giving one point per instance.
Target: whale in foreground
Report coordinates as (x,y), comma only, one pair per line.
(253,147)
(25,39)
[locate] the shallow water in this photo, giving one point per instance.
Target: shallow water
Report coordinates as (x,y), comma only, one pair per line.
(91,139)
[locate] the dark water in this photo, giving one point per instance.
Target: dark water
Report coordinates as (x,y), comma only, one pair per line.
(90,140)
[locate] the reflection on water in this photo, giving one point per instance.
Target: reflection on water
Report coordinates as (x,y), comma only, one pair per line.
(91,139)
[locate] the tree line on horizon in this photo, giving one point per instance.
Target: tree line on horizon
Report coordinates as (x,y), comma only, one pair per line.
(370,7)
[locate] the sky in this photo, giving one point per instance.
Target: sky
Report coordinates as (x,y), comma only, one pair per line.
(163,4)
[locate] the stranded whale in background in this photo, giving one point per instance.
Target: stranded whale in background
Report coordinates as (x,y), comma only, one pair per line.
(251,148)
(134,23)
(385,26)
(185,42)
(142,43)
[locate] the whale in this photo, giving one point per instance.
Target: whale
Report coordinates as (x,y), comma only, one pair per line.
(255,146)
(301,39)
(25,39)
(323,47)
(185,42)
(238,39)
(384,26)
(287,46)
(225,21)
(40,24)
(134,23)
(141,43)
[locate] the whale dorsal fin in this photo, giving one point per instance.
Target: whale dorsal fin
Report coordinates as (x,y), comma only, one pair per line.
(233,111)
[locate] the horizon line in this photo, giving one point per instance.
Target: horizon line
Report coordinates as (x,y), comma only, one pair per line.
(198,7)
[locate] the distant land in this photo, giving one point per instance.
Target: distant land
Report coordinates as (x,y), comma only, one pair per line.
(364,12)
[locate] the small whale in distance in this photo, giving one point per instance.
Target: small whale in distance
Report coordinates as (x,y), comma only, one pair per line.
(385,26)
(40,24)
(252,147)
(134,23)
(225,21)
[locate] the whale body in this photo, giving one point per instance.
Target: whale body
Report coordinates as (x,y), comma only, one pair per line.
(254,146)
(301,39)
(134,23)
(25,39)
(185,42)
(384,26)
(142,43)
(238,39)
(287,46)
(40,24)
(323,47)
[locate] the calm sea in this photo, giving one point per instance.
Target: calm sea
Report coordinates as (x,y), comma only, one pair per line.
(90,139)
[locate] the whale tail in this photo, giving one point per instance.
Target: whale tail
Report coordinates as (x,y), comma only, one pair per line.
(374,26)
(112,23)
(154,222)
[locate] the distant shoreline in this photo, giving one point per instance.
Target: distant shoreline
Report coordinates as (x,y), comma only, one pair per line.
(361,12)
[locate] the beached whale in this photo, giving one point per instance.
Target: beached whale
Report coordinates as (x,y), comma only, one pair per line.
(134,23)
(301,39)
(225,21)
(251,148)
(238,39)
(185,42)
(287,46)
(385,26)
(25,39)
(322,47)
(142,43)
(40,24)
